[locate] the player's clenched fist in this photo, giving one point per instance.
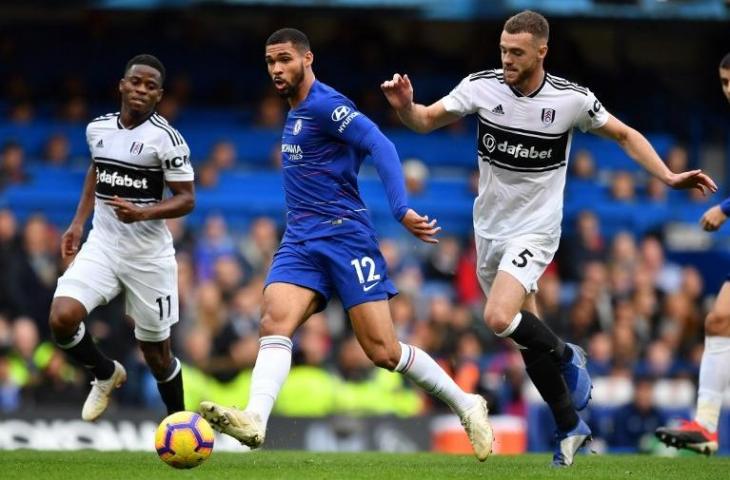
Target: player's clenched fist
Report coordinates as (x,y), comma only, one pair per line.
(713,219)
(398,91)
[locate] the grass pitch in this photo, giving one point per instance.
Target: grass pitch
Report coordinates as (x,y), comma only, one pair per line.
(269,465)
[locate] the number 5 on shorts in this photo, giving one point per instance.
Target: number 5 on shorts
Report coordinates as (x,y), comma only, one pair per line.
(523,258)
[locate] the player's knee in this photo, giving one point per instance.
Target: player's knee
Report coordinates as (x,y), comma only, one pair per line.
(274,324)
(497,319)
(64,318)
(717,323)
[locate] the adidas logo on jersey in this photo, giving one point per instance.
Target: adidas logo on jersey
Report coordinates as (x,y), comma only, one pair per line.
(100,144)
(498,110)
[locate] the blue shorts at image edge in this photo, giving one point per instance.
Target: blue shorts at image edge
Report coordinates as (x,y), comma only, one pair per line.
(328,265)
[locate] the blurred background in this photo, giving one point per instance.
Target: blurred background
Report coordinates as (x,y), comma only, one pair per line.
(631,283)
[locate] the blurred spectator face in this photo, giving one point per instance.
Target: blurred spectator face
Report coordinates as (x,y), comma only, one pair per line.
(402,312)
(652,254)
(621,279)
(645,303)
(247,301)
(624,314)
(35,236)
(644,395)
(656,190)
(624,344)
(468,347)
(208,176)
(57,149)
(169,108)
(622,187)
(596,274)
(228,274)
(25,336)
(659,358)
(548,293)
(216,229)
(223,155)
(75,110)
(390,252)
(446,256)
(600,348)
(461,318)
(22,113)
(185,273)
(271,113)
(352,358)
(584,166)
(313,340)
(416,175)
(440,309)
(623,249)
(264,235)
(587,226)
(8,226)
(210,307)
(677,159)
(692,284)
(198,346)
(13,159)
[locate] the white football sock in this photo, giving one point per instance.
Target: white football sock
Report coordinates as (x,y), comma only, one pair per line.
(272,367)
(426,373)
(714,378)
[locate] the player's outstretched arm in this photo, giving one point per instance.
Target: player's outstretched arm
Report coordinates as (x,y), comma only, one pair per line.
(417,117)
(72,236)
(180,203)
(420,227)
(639,149)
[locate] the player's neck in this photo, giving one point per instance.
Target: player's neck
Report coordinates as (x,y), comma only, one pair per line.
(130,119)
(531,84)
(304,87)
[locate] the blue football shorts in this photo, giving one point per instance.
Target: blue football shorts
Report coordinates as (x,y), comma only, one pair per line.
(348,264)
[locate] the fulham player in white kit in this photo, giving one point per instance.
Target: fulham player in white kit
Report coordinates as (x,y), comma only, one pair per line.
(135,154)
(526,118)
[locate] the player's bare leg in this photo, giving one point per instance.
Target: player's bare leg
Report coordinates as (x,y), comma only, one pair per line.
(373,327)
(285,307)
(510,308)
(66,321)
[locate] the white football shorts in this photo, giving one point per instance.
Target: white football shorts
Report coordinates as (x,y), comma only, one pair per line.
(97,275)
(525,257)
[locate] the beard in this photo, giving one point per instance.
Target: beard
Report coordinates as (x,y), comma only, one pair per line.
(290,88)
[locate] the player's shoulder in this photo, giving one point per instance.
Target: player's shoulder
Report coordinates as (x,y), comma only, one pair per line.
(103,121)
(564,85)
(163,131)
(327,102)
(491,75)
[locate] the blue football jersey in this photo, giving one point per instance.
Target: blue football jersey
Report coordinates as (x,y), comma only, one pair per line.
(321,157)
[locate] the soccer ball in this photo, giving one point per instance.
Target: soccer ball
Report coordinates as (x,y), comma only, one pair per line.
(184,440)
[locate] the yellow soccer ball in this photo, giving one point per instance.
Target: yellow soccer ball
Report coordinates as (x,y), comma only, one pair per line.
(184,440)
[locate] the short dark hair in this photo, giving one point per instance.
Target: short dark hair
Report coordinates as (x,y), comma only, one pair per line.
(528,21)
(725,62)
(150,61)
(296,37)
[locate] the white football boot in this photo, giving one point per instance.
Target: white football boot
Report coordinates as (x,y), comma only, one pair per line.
(476,423)
(246,427)
(101,390)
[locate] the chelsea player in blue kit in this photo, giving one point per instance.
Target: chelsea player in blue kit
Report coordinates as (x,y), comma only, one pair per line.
(330,247)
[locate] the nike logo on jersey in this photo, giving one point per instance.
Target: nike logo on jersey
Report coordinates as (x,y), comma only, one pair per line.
(498,110)
(369,287)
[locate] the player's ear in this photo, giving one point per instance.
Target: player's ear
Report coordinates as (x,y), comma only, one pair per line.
(121,85)
(542,51)
(308,58)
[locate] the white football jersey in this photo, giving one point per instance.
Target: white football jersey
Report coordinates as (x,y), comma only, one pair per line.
(134,164)
(523,145)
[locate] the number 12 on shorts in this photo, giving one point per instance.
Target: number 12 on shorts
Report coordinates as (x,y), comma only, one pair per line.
(160,304)
(362,264)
